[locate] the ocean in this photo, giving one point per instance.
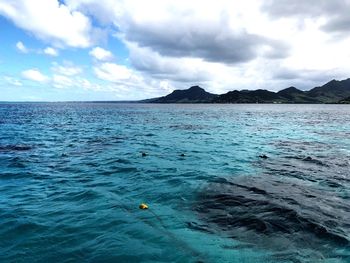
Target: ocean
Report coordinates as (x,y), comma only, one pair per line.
(223,183)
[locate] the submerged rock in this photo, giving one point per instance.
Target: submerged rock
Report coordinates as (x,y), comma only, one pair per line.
(263,156)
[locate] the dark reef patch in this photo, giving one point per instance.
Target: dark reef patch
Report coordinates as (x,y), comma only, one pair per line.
(274,213)
(15,148)
(307,159)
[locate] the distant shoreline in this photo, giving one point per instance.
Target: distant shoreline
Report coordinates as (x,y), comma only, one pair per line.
(170,103)
(333,92)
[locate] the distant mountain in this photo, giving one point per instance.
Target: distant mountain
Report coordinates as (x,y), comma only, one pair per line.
(294,95)
(332,92)
(194,94)
(345,101)
(247,96)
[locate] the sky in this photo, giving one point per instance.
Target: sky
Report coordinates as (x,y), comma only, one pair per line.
(75,50)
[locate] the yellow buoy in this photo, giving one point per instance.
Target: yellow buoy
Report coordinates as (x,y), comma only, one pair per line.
(143,206)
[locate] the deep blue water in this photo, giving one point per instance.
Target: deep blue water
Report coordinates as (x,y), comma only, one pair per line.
(72,176)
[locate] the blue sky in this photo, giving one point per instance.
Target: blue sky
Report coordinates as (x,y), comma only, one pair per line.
(123,50)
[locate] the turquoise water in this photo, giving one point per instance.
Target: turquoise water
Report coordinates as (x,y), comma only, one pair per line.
(72,176)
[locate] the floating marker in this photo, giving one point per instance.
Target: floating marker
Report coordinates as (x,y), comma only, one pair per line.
(143,206)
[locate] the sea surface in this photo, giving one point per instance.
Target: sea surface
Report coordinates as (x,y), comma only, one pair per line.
(72,176)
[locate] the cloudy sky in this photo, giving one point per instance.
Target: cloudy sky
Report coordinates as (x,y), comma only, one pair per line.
(115,50)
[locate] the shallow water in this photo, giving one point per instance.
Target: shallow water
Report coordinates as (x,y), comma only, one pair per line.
(72,176)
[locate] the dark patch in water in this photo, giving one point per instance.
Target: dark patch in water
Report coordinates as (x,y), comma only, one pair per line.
(14,148)
(187,127)
(307,159)
(261,210)
(17,162)
(200,227)
(263,156)
(312,160)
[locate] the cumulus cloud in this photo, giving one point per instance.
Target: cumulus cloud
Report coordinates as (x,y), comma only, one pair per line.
(51,51)
(13,81)
(61,81)
(21,47)
(65,82)
(215,42)
(86,84)
(185,72)
(49,20)
(129,83)
(335,13)
(101,54)
(35,75)
(340,24)
(67,69)
(308,8)
(308,78)
(48,50)
(113,72)
(211,31)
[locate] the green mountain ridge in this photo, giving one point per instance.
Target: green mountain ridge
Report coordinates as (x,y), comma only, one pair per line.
(332,92)
(194,94)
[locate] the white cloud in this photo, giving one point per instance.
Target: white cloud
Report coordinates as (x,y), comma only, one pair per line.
(51,51)
(65,82)
(113,72)
(48,50)
(67,69)
(129,84)
(61,81)
(13,81)
(35,75)
(21,47)
(101,54)
(170,68)
(49,20)
(87,85)
(212,31)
